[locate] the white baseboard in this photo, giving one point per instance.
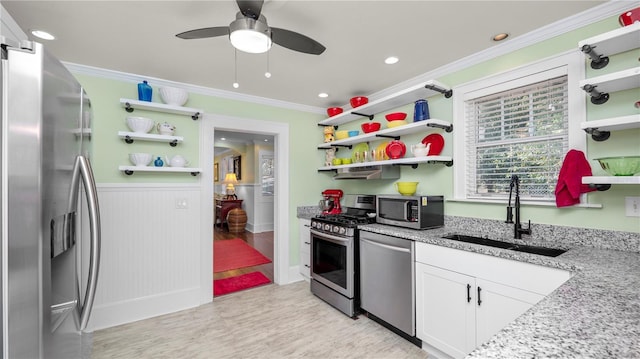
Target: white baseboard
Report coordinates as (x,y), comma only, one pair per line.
(142,308)
(294,275)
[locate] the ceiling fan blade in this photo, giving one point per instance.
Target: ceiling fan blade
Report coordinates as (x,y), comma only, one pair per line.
(204,32)
(296,42)
(250,8)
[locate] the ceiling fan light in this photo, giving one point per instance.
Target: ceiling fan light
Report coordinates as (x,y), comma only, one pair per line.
(250,36)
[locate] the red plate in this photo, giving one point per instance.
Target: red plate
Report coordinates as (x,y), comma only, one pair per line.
(437,143)
(395,149)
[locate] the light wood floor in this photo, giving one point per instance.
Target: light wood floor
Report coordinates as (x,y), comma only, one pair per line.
(265,322)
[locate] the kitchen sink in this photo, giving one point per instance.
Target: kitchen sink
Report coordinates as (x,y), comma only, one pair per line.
(543,251)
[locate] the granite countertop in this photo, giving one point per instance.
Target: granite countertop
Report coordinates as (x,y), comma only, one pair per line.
(595,314)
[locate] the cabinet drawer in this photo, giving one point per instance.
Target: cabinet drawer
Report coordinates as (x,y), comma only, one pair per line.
(535,278)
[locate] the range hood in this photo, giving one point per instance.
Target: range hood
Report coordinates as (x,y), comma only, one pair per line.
(368,172)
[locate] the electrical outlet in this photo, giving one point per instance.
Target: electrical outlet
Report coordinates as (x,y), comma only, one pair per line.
(632,206)
(181,203)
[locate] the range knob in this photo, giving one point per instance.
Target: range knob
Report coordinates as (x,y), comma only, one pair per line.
(336,229)
(327,227)
(343,230)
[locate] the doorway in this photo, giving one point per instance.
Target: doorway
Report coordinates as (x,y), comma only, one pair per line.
(211,123)
(249,157)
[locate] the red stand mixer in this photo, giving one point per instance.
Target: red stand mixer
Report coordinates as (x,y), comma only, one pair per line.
(331,202)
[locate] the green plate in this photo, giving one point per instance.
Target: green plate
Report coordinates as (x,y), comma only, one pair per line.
(360,147)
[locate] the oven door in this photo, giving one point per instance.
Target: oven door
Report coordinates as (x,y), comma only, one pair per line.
(332,262)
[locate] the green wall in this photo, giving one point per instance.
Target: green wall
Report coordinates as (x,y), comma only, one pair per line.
(438,179)
(304,159)
(109,151)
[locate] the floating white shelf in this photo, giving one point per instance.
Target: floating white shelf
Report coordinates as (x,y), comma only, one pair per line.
(389,132)
(611,180)
(395,100)
(600,130)
(131,169)
(130,105)
(613,124)
(617,81)
(399,161)
(615,41)
(129,137)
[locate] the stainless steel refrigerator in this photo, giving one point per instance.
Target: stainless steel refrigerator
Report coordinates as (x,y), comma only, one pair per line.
(50,221)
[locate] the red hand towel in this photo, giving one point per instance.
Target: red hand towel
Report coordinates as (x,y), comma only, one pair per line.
(569,187)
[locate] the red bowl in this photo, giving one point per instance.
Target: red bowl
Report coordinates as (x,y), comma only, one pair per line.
(396,116)
(370,127)
(358,101)
(630,17)
(332,111)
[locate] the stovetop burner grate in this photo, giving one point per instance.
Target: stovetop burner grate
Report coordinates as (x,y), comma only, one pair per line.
(346,219)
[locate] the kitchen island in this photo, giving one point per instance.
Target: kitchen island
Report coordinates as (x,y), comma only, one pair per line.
(595,314)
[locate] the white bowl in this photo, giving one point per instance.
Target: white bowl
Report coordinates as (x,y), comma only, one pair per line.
(173,96)
(140,124)
(140,159)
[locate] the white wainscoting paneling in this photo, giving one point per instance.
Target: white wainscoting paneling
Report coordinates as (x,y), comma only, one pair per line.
(150,262)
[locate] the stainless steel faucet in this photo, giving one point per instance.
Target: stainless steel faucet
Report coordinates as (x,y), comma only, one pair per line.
(518,231)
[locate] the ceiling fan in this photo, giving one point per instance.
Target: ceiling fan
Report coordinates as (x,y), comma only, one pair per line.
(250,32)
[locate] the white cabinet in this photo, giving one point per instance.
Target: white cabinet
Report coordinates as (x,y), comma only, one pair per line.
(498,305)
(129,137)
(445,316)
(464,298)
(304,227)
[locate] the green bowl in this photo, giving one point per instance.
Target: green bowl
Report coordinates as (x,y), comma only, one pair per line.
(620,166)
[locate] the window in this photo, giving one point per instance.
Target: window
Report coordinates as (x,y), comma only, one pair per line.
(522,122)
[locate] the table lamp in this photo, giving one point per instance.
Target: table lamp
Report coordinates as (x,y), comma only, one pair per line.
(230,179)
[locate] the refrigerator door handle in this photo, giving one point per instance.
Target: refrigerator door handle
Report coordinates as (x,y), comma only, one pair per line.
(86,174)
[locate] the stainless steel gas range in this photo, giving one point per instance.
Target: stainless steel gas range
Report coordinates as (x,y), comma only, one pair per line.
(335,253)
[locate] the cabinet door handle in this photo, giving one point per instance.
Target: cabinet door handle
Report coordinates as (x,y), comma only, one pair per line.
(306,265)
(479,301)
(307,242)
(468,293)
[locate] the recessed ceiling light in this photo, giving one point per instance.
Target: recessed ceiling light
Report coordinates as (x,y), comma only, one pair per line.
(223,139)
(391,60)
(42,35)
(323,95)
(236,85)
(500,37)
(266,140)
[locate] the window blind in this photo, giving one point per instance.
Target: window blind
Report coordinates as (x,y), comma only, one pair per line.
(521,131)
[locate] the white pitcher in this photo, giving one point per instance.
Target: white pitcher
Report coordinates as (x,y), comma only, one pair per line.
(165,129)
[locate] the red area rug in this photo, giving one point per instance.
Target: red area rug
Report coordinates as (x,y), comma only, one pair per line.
(241,282)
(235,253)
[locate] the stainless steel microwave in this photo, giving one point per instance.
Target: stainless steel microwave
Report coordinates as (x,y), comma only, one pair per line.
(417,212)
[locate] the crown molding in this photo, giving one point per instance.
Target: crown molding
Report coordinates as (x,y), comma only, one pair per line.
(208,91)
(598,13)
(601,12)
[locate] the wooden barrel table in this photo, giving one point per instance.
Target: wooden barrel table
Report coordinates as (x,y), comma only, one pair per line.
(236,220)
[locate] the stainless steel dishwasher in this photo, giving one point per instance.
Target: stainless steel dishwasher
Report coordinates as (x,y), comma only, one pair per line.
(387,289)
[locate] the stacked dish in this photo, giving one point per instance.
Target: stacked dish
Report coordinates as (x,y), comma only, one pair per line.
(140,159)
(140,124)
(173,96)
(396,119)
